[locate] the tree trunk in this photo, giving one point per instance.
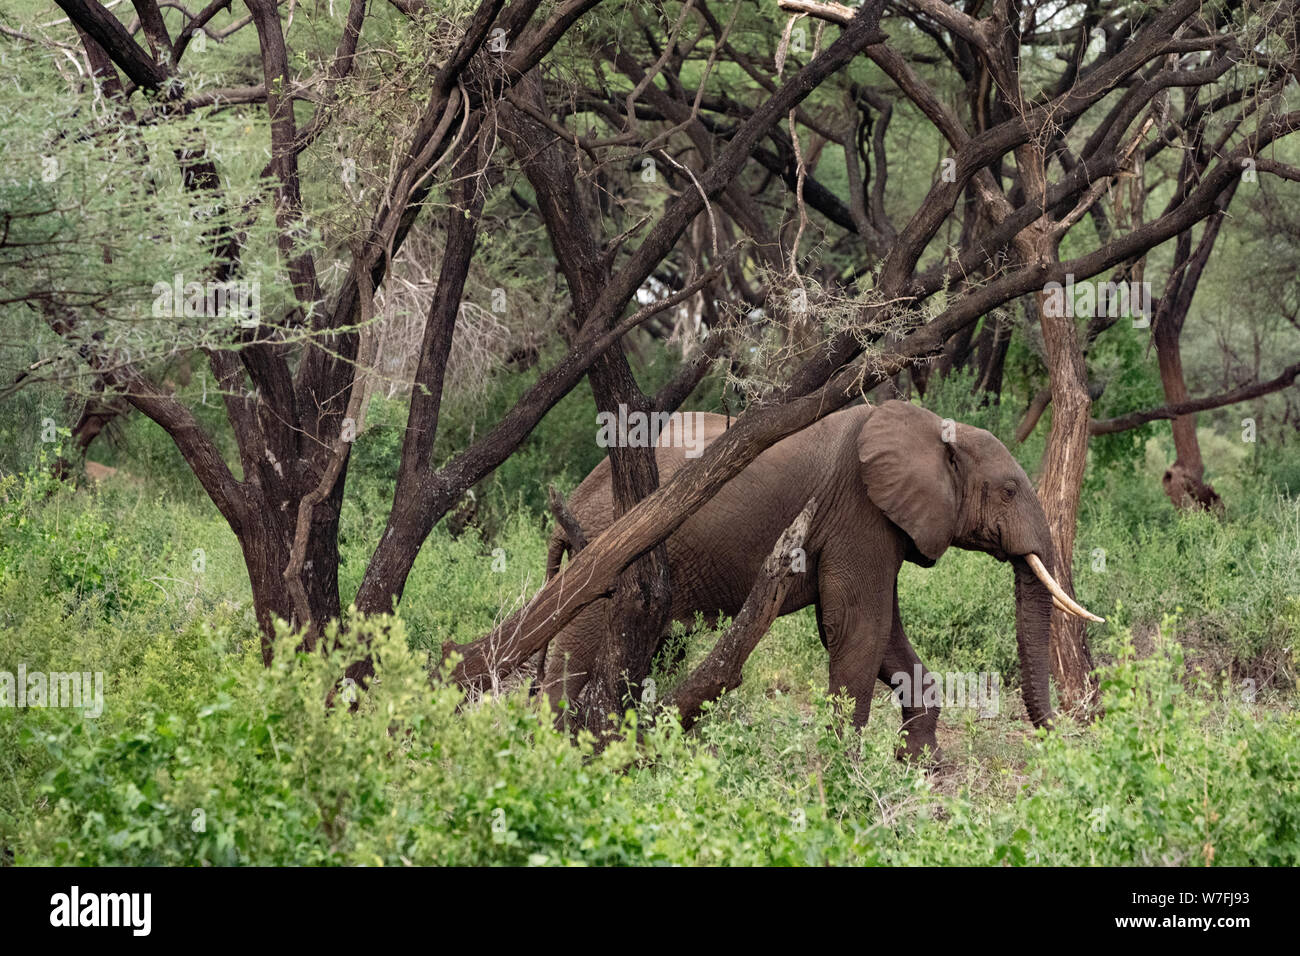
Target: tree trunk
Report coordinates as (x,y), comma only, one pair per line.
(1062,479)
(266,538)
(1184,479)
(991,357)
(642,600)
(1066,456)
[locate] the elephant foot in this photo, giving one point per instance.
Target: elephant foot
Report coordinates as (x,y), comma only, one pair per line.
(920,745)
(928,756)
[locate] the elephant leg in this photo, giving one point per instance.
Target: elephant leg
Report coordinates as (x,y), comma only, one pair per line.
(857,619)
(919,722)
(572,654)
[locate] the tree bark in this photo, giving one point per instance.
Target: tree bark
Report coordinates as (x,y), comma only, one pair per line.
(1062,479)
(1066,457)
(1184,480)
(642,600)
(265,538)
(721,670)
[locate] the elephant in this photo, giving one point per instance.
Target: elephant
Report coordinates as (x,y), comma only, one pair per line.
(893,482)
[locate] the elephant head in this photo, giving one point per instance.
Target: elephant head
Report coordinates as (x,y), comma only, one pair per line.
(945,484)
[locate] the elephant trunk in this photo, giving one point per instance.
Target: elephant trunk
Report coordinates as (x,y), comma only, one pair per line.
(1033,636)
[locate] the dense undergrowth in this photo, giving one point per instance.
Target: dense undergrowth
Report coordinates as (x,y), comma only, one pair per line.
(204,756)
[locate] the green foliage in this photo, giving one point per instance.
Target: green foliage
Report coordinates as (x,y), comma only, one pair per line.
(1234,582)
(104,579)
(246,764)
(1279,471)
(256,768)
(1117,362)
(1172,775)
(956,396)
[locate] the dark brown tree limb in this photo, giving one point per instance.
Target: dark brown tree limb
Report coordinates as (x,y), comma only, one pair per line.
(1245,393)
(155,31)
(1037,405)
(721,670)
(677,389)
(194,443)
(109,33)
(1184,480)
(641,605)
(304,619)
(195,24)
(284,157)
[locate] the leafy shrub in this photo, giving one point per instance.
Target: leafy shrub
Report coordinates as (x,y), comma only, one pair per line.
(1170,776)
(1177,770)
(258,769)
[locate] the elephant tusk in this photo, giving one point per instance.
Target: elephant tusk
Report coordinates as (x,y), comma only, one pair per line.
(1062,600)
(1056,603)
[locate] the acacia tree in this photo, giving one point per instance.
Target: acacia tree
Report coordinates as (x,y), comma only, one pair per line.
(855,284)
(289,382)
(1070,139)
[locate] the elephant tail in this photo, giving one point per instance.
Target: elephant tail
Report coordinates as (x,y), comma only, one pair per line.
(555,550)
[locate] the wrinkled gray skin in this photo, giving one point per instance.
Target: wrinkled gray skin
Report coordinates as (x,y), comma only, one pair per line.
(889,488)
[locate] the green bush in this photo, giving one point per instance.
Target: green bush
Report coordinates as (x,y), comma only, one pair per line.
(256,768)
(1172,775)
(1179,769)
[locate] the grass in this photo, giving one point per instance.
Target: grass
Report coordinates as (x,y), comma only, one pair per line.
(204,756)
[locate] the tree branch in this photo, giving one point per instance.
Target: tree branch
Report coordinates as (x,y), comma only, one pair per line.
(1245,393)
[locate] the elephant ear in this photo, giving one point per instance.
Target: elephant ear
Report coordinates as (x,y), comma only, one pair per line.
(909,472)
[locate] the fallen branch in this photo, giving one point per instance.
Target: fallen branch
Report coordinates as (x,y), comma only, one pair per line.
(721,670)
